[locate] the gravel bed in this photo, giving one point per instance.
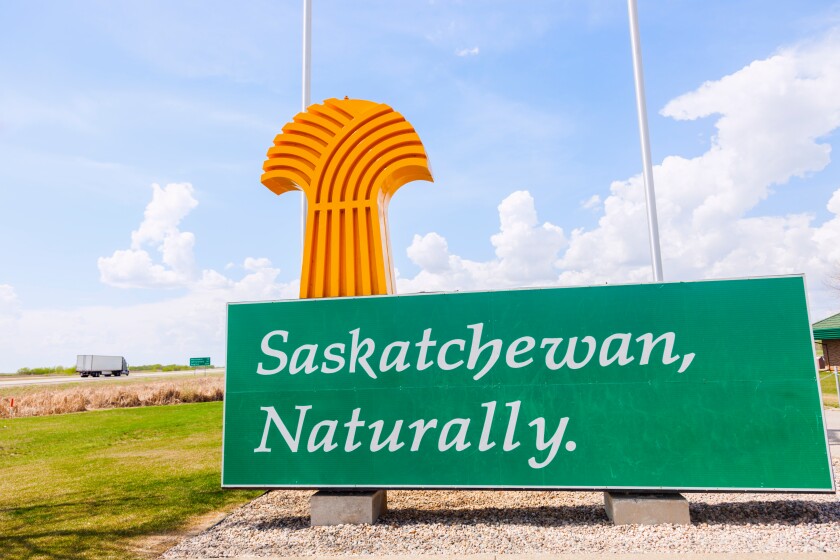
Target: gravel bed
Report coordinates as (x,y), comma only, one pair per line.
(472,522)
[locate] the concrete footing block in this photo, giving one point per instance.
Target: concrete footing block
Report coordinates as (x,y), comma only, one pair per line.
(355,508)
(646,509)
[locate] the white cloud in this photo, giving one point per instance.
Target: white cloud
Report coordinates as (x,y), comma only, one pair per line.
(252,264)
(525,254)
(772,117)
(524,247)
(467,52)
(9,302)
(169,205)
(430,252)
(134,267)
(592,203)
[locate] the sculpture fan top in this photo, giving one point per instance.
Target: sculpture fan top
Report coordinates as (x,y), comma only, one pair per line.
(345,151)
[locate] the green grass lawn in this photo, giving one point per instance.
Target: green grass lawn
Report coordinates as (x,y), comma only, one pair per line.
(88,485)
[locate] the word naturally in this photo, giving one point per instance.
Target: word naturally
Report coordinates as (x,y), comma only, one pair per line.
(470,352)
(452,434)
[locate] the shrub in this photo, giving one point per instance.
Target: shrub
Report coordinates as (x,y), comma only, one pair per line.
(96,396)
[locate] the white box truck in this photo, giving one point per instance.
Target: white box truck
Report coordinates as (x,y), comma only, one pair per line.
(94,366)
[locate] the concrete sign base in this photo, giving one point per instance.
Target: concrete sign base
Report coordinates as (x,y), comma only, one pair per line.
(355,508)
(646,509)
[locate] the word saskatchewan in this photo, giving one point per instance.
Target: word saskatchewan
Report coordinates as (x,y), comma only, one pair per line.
(473,352)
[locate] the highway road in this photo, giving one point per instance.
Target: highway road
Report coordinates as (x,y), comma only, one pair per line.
(18,381)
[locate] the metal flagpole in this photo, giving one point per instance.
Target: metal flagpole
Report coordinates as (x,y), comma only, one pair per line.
(307,64)
(650,196)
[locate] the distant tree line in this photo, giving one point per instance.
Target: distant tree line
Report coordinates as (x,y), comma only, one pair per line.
(47,370)
(159,367)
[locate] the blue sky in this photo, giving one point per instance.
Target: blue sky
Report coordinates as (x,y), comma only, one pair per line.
(526,110)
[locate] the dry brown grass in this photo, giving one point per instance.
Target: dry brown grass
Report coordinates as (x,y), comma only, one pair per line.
(95,396)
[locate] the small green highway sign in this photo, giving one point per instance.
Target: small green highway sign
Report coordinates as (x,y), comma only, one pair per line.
(198,362)
(673,386)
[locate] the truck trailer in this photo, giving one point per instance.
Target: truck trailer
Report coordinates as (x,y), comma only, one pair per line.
(94,366)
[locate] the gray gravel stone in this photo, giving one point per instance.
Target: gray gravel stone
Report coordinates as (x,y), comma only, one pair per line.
(473,522)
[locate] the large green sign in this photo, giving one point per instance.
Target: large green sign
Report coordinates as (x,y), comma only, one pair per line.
(700,385)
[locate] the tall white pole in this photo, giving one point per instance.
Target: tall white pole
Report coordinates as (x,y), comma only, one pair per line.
(650,195)
(307,67)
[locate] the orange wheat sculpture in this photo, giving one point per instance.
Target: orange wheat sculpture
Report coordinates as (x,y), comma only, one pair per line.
(348,157)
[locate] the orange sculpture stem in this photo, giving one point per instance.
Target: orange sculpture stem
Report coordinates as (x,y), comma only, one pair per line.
(348,157)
